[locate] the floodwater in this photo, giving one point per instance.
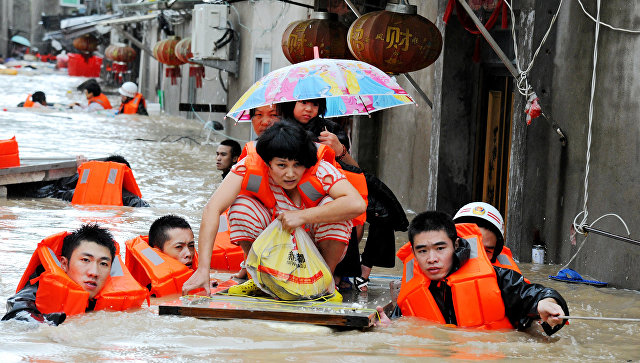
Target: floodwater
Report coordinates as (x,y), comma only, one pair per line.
(174,164)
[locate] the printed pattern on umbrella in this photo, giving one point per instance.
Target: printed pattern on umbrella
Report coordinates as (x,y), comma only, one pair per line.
(350,88)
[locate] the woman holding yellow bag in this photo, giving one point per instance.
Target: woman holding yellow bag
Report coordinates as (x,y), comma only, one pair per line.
(282,178)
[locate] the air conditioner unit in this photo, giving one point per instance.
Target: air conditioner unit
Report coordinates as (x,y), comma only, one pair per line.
(210,26)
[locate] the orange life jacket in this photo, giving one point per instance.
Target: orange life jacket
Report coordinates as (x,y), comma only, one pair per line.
(477,300)
(256,184)
(29,102)
(225,255)
(9,155)
(101,99)
(505,260)
(58,293)
(131,107)
(101,182)
(149,265)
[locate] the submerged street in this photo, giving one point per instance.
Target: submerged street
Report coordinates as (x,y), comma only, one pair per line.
(173,160)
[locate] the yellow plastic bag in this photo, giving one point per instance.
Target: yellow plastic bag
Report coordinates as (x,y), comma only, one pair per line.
(288,266)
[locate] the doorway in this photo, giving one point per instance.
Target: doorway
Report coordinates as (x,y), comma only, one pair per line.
(493,141)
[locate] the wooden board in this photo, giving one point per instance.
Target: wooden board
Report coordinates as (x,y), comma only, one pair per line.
(236,307)
(356,312)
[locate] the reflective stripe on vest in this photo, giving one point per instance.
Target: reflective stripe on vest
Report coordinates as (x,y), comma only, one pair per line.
(102,182)
(148,265)
(504,260)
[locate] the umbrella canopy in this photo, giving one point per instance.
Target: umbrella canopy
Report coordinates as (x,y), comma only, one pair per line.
(350,88)
(21,40)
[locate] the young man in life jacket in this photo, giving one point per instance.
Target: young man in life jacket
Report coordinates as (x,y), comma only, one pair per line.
(456,283)
(491,224)
(272,183)
(131,102)
(96,100)
(163,260)
(227,155)
(87,255)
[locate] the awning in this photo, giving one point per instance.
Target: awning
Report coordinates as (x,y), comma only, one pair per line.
(74,27)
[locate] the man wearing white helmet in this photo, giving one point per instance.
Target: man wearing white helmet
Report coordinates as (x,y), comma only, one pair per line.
(132,101)
(491,224)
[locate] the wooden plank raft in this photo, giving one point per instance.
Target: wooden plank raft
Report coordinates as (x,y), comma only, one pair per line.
(356,312)
(241,307)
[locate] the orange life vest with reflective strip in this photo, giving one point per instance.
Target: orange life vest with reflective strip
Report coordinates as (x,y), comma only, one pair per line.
(131,107)
(9,155)
(101,182)
(148,265)
(477,300)
(225,255)
(29,102)
(310,187)
(505,260)
(101,99)
(58,293)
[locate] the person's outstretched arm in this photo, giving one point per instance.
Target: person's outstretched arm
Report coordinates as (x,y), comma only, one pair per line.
(525,303)
(221,199)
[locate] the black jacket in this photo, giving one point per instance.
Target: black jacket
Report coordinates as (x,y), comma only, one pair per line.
(520,298)
(22,306)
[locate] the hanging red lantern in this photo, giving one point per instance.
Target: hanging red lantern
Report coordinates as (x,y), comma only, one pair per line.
(322,30)
(183,52)
(86,43)
(396,40)
(164,52)
(120,54)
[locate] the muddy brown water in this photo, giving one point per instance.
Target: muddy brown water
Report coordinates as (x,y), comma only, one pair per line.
(178,177)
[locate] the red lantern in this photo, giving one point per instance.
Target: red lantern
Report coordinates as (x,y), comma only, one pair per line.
(322,30)
(183,52)
(120,55)
(86,43)
(396,40)
(164,52)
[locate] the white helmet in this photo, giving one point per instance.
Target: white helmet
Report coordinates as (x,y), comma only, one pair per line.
(128,89)
(483,211)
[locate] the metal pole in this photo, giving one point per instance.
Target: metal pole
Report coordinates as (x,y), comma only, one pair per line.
(406,75)
(505,60)
(611,235)
(489,39)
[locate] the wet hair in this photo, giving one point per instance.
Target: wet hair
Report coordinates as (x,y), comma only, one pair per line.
(94,89)
(482,223)
(39,97)
(84,84)
(90,232)
(158,232)
(432,221)
(236,150)
(118,159)
(288,140)
(286,108)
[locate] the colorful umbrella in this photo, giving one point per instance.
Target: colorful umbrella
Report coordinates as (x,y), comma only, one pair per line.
(350,88)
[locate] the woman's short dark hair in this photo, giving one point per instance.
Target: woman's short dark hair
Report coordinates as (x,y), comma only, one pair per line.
(432,221)
(286,108)
(94,89)
(288,140)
